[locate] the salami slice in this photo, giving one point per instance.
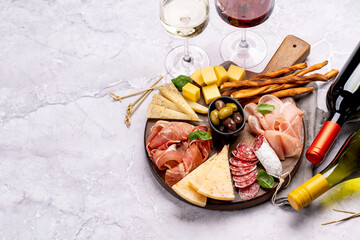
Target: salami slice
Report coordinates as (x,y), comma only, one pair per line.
(250,191)
(246,183)
(245,177)
(258,142)
(242,170)
(242,155)
(241,163)
(245,152)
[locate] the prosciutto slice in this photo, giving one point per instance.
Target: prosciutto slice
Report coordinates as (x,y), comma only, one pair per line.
(282,127)
(170,149)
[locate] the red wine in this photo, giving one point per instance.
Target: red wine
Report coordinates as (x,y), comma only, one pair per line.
(343,101)
(244,14)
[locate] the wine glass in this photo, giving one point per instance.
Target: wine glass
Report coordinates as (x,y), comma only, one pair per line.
(246,49)
(185,19)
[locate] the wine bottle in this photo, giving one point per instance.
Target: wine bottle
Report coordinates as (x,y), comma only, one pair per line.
(343,102)
(345,166)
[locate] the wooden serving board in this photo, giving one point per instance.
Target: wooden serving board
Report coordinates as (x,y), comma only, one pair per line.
(291,51)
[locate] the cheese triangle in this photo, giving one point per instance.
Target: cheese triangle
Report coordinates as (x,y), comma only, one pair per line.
(184,189)
(197,107)
(188,193)
(198,176)
(163,102)
(160,112)
(218,183)
(171,93)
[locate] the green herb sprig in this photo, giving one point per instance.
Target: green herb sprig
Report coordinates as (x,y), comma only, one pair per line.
(199,135)
(264,179)
(181,81)
(265,108)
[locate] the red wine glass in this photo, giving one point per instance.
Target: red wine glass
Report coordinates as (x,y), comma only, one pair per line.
(246,49)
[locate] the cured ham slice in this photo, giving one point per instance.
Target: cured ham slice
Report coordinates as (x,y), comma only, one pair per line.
(163,134)
(275,142)
(250,109)
(169,147)
(289,111)
(296,124)
(282,127)
(254,125)
(191,160)
(168,158)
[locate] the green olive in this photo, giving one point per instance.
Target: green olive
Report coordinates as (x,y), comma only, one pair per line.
(225,112)
(214,117)
(233,106)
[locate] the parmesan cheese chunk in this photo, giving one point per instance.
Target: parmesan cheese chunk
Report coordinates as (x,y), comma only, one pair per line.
(236,73)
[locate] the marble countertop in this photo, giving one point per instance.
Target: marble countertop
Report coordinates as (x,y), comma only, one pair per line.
(71,169)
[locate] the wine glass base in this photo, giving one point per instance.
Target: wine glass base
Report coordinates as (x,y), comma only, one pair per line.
(248,57)
(176,65)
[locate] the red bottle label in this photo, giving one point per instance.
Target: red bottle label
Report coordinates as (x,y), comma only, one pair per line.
(323,142)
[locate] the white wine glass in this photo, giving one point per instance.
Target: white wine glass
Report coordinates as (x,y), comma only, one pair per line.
(185,19)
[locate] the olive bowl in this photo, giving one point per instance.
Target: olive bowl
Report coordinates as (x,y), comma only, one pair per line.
(240,110)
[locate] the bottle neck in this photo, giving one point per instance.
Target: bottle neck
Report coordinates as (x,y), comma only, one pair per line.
(346,161)
(338,118)
(308,192)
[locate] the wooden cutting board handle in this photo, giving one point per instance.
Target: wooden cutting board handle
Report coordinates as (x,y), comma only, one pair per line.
(291,51)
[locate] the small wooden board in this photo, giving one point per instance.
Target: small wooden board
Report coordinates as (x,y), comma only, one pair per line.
(292,50)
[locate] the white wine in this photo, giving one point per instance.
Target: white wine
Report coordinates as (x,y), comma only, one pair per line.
(184,18)
(345,166)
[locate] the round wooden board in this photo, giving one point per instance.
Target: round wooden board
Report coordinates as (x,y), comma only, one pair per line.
(289,165)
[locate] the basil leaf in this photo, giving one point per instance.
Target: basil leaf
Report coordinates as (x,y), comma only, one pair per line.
(265,108)
(193,136)
(204,136)
(199,135)
(265,180)
(180,81)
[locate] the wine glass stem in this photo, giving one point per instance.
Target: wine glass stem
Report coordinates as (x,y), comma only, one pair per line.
(186,57)
(243,43)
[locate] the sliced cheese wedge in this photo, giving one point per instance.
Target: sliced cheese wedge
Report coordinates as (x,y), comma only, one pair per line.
(170,92)
(218,183)
(197,177)
(161,101)
(184,189)
(188,193)
(197,107)
(159,112)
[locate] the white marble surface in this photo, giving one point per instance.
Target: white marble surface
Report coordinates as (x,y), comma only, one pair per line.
(71,169)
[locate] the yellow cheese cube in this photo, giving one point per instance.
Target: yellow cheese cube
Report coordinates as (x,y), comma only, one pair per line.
(197,77)
(210,93)
(208,75)
(236,73)
(221,75)
(191,92)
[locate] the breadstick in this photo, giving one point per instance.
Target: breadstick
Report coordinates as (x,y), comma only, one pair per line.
(249,92)
(280,80)
(310,69)
(284,93)
(282,71)
(332,74)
